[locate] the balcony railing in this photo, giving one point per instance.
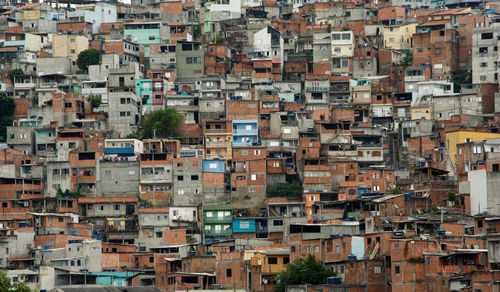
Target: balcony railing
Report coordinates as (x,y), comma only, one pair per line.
(218,232)
(225,219)
(316,88)
(218,144)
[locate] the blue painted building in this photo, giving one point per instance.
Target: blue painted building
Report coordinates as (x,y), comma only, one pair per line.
(214,166)
(243,225)
(251,225)
(245,132)
(118,279)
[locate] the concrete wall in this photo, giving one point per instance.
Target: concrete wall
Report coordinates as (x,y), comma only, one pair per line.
(123,117)
(15,245)
(118,178)
(48,66)
(483,68)
(478,193)
(89,254)
(188,182)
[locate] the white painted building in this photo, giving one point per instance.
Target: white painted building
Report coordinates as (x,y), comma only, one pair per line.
(96,14)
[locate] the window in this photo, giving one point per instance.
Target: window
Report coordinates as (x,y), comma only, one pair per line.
(229,273)
(272,261)
(72,40)
(487,36)
(61,219)
(396,269)
(317,95)
(396,248)
(483,64)
(437,51)
(194,177)
(159,234)
(482,78)
(117,207)
(377,270)
(180,178)
(151,37)
(483,50)
(72,51)
(441,33)
(278,223)
(345,62)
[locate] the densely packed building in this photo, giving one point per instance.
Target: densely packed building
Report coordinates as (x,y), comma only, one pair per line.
(364,133)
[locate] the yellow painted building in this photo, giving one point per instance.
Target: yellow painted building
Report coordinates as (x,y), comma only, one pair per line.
(218,144)
(31,14)
(69,45)
(272,261)
(423,111)
(458,137)
(399,37)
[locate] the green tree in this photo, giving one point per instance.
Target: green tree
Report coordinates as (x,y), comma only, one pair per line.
(196,32)
(15,73)
(303,271)
(7,107)
(395,191)
(409,58)
(459,78)
(134,135)
(87,58)
(162,123)
(95,101)
(7,285)
(285,190)
(451,197)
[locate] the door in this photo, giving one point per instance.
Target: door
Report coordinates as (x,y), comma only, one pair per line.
(130,209)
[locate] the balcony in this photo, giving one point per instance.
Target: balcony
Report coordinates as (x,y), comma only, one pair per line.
(317,88)
(87,178)
(24,85)
(156,178)
(456,269)
(218,131)
(244,132)
(225,219)
(46,140)
(86,163)
(216,233)
(221,144)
